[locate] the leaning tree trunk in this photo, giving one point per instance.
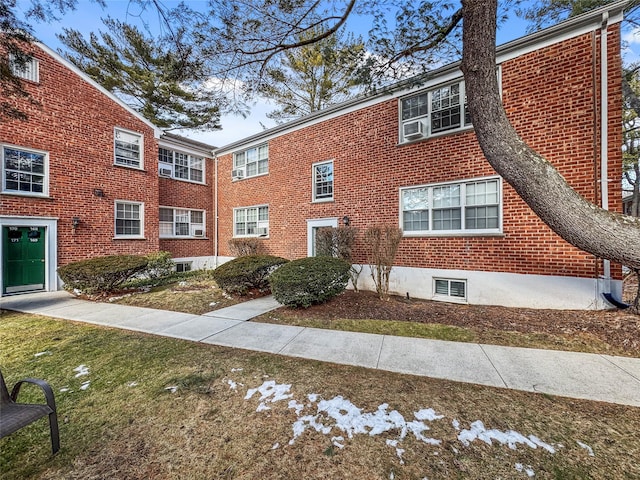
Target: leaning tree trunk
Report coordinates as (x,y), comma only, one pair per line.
(605,234)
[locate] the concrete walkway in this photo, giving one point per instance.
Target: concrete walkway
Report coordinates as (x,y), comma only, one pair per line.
(579,375)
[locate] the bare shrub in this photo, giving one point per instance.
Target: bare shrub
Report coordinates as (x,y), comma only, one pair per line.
(338,242)
(241,247)
(382,243)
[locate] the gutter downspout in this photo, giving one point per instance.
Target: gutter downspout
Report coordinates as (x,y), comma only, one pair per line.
(215,213)
(604,140)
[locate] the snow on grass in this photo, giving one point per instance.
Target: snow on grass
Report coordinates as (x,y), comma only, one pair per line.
(341,415)
(526,469)
(81,370)
(586,447)
(40,354)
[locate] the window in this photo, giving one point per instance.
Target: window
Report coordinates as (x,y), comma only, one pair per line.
(183,267)
(450,289)
(128,148)
(251,162)
(177,222)
(251,221)
(323,181)
(24,171)
(439,110)
(180,165)
(25,67)
(129,219)
(469,207)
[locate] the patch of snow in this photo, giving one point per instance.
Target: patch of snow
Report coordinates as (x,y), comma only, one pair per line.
(336,441)
(270,389)
(455,424)
(213,304)
(40,354)
(478,431)
(65,389)
(232,385)
(298,407)
(237,369)
(172,389)
(132,384)
(427,414)
(586,447)
(528,470)
(85,385)
(82,370)
(262,407)
(275,446)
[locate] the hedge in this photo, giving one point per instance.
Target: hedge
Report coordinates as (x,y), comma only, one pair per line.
(101,274)
(245,273)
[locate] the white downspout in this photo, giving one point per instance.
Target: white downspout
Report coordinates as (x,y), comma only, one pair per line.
(604,141)
(215,212)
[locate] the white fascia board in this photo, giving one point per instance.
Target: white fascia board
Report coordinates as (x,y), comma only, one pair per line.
(156,131)
(184,147)
(570,28)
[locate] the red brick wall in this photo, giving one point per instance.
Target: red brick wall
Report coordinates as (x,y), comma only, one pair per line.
(75,125)
(552,102)
(179,194)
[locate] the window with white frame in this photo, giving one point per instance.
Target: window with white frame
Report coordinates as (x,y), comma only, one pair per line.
(128,148)
(24,171)
(129,219)
(180,222)
(251,221)
(439,110)
(183,267)
(472,207)
(251,162)
(181,166)
(25,67)
(451,289)
(323,181)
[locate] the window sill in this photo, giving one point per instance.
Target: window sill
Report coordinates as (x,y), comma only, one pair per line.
(446,133)
(185,238)
(453,234)
(129,167)
(124,237)
(323,200)
(193,182)
(27,195)
(445,298)
(249,178)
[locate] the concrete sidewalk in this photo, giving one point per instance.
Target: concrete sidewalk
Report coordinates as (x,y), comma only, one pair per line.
(579,375)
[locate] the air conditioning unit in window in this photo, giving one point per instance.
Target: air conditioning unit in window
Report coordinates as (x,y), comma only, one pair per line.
(263,231)
(237,174)
(165,171)
(198,232)
(413,130)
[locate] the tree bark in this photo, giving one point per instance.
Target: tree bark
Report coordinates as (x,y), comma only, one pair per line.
(605,234)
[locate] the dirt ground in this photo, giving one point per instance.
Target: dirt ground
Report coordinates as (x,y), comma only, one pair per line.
(614,327)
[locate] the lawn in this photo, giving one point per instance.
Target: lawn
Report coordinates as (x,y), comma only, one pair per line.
(158,408)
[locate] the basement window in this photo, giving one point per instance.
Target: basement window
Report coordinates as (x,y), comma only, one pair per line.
(450,289)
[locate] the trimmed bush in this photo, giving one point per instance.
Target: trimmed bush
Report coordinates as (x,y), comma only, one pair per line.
(242,274)
(306,281)
(159,265)
(101,274)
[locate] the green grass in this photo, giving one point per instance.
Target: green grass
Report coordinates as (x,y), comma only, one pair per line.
(128,425)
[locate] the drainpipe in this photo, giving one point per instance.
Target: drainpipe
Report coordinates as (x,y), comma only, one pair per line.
(215,213)
(604,141)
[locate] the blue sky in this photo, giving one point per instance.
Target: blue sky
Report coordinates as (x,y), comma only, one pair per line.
(87,18)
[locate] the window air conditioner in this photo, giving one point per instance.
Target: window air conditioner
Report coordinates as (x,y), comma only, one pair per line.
(262,231)
(198,232)
(165,171)
(237,174)
(413,130)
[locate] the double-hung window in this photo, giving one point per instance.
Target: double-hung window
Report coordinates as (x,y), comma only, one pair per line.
(129,218)
(470,207)
(179,222)
(24,171)
(439,110)
(251,162)
(180,165)
(128,148)
(251,221)
(323,181)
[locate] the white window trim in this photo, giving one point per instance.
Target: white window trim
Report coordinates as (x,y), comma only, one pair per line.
(312,225)
(115,213)
(130,132)
(45,187)
(448,297)
(233,223)
(191,235)
(173,165)
(462,232)
(245,176)
(314,199)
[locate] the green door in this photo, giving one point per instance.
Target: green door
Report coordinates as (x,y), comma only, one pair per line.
(23,263)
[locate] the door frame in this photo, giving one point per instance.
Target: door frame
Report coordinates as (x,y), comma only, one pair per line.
(50,226)
(318,223)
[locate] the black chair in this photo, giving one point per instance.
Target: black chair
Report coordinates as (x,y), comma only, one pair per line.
(14,416)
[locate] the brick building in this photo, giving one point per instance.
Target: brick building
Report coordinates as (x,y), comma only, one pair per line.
(408,157)
(80,179)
